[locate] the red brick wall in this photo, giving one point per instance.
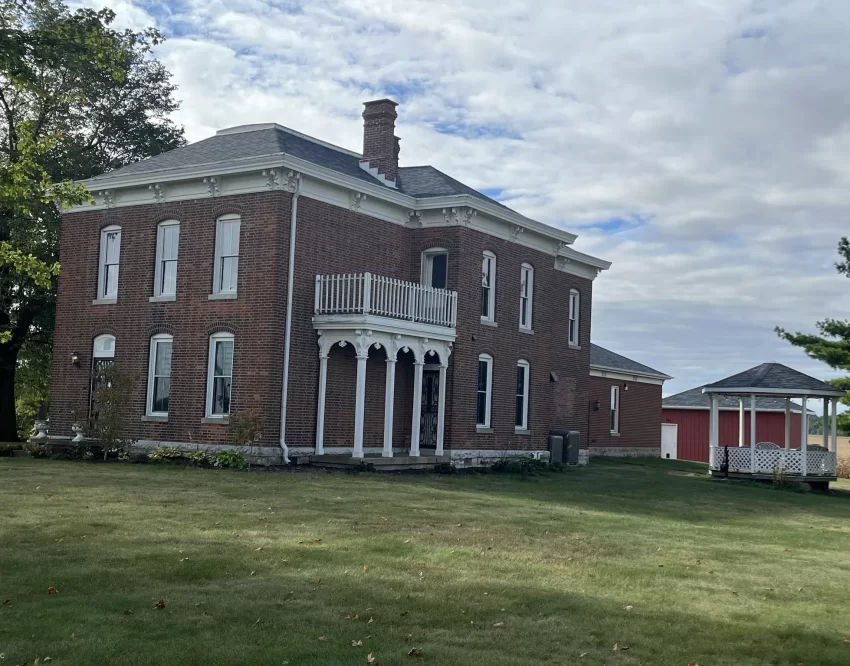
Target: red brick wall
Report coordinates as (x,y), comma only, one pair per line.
(330,240)
(640,414)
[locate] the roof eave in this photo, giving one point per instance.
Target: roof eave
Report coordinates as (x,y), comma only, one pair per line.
(752,390)
(625,371)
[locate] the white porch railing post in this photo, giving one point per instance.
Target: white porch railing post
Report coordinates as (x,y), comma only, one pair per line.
(834,426)
(417,407)
(741,426)
(825,421)
(441,413)
(389,404)
(359,405)
(804,438)
(787,424)
(318,300)
(753,416)
(713,451)
(320,412)
(367,293)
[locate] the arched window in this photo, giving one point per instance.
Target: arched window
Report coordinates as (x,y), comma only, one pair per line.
(103,355)
(522,381)
(165,272)
(575,307)
(220,375)
(159,375)
(110,255)
(526,295)
(485,390)
(488,286)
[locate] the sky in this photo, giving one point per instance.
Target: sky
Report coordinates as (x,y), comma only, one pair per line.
(700,145)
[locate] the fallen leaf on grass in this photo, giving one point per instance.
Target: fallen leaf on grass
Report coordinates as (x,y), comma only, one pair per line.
(407,637)
(352,617)
(414,652)
(128,612)
(370,658)
(52,590)
(617,647)
(160,604)
(356,643)
(371,620)
(8,602)
(582,655)
(627,607)
(365,567)
(403,613)
(324,639)
(319,580)
(499,625)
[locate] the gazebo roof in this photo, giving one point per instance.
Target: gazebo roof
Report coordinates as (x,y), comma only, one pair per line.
(773,379)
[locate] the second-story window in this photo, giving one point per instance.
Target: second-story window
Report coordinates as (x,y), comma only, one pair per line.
(110,255)
(574,317)
(435,268)
(526,295)
(488,287)
(226,268)
(167,241)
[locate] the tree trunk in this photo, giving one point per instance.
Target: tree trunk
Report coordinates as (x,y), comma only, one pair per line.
(8,412)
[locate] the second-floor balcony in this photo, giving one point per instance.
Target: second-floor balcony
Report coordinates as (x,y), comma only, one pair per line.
(359,295)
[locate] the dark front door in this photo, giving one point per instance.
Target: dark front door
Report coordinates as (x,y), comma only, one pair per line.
(430,403)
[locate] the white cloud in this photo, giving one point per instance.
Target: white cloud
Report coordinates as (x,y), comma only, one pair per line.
(719,129)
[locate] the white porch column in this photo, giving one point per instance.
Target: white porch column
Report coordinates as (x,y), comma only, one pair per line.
(753,434)
(320,412)
(787,424)
(712,431)
(741,423)
(441,414)
(834,426)
(360,405)
(825,423)
(389,404)
(804,437)
(417,407)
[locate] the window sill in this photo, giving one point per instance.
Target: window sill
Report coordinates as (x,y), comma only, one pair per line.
(163,298)
(614,434)
(216,420)
(104,301)
(527,331)
(156,418)
(222,297)
(572,346)
(489,322)
(481,430)
(522,431)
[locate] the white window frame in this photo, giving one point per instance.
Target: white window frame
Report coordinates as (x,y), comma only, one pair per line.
(427,272)
(219,224)
(526,295)
(491,288)
(102,282)
(214,339)
(574,318)
(160,260)
(156,340)
(101,350)
(526,369)
(488,402)
(615,410)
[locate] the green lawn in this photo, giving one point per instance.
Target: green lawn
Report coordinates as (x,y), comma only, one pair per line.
(288,568)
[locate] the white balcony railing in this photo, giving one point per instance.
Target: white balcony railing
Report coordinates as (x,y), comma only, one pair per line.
(367,294)
(818,463)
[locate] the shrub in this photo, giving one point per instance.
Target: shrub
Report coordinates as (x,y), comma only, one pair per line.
(37,449)
(521,465)
(844,467)
(165,454)
(197,458)
(229,458)
(781,481)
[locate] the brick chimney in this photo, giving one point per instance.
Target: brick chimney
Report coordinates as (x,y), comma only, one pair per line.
(380,145)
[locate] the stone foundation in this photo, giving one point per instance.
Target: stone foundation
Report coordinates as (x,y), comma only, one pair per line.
(626,451)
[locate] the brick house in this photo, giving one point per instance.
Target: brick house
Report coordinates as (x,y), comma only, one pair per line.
(625,406)
(358,306)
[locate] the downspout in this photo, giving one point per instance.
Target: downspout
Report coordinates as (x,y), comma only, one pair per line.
(290,287)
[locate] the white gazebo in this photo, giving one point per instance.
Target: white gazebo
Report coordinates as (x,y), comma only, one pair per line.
(761,460)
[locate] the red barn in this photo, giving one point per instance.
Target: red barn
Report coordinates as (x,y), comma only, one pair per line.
(689,411)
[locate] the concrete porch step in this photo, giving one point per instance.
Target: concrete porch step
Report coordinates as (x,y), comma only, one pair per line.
(379,463)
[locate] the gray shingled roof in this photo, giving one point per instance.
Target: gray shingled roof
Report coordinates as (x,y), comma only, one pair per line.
(696,399)
(604,358)
(775,377)
(420,182)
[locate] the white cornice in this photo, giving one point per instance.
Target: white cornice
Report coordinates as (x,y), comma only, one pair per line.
(627,376)
(748,391)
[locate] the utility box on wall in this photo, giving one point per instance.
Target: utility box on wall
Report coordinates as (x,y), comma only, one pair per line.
(572,447)
(556,448)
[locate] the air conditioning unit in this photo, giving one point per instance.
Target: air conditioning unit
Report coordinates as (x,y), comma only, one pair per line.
(572,447)
(556,448)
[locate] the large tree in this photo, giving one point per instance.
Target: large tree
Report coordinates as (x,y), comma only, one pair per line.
(833,346)
(80,98)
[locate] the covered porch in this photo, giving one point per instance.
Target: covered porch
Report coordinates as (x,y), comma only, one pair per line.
(794,456)
(396,322)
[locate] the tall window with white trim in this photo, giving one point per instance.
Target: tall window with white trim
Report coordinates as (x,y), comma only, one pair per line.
(103,355)
(159,375)
(435,267)
(575,305)
(522,377)
(220,374)
(615,410)
(110,256)
(226,254)
(488,287)
(526,295)
(165,274)
(485,390)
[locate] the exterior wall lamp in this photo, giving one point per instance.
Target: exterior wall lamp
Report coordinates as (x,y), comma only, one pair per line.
(75,359)
(595,405)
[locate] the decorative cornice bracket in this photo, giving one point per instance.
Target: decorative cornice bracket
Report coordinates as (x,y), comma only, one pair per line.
(355,200)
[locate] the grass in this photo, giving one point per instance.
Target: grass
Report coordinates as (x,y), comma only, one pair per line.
(255,567)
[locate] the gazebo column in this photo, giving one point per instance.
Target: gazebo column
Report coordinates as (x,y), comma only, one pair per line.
(417,407)
(741,428)
(834,426)
(360,404)
(389,404)
(753,434)
(713,437)
(787,424)
(804,438)
(441,414)
(825,422)
(320,411)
